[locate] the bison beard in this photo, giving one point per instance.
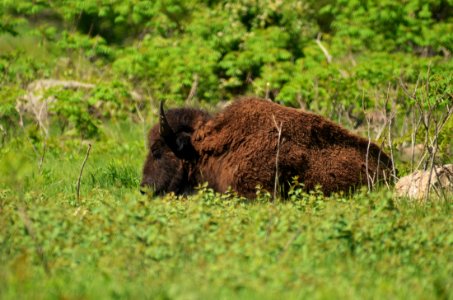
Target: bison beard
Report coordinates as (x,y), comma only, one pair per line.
(237,148)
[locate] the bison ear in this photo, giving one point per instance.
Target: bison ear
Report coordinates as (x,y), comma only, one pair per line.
(184,148)
(179,143)
(183,142)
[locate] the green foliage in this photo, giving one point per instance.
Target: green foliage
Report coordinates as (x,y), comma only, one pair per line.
(92,47)
(8,113)
(111,100)
(72,110)
(83,111)
(177,62)
(368,244)
(115,175)
(420,26)
(235,47)
(18,67)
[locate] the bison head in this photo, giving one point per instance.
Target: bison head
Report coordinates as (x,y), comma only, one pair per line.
(171,158)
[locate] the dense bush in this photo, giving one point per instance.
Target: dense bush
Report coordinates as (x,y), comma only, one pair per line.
(236,47)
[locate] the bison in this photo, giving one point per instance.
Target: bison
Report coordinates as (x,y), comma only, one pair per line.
(252,142)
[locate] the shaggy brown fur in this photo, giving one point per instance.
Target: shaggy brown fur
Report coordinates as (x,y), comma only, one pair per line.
(237,148)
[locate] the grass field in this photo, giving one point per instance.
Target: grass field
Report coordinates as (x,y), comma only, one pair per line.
(116,243)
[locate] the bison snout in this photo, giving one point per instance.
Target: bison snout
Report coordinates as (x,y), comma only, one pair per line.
(145,188)
(149,189)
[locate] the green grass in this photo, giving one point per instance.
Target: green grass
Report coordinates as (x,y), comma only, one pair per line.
(115,243)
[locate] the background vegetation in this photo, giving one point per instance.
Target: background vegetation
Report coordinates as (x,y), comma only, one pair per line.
(380,68)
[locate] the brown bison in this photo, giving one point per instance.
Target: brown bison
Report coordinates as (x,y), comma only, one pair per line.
(251,142)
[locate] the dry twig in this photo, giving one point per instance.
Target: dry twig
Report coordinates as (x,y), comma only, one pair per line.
(279,130)
(266,96)
(41,161)
(425,116)
(323,49)
(389,120)
(367,170)
(81,171)
(142,120)
(193,88)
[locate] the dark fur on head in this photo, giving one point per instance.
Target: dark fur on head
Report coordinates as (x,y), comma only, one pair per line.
(164,171)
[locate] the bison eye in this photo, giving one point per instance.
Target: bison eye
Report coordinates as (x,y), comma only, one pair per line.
(156,151)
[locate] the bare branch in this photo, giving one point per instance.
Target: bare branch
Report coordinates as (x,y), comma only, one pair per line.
(142,120)
(367,170)
(323,49)
(368,177)
(389,120)
(194,88)
(22,126)
(41,161)
(266,96)
(290,242)
(279,130)
(81,171)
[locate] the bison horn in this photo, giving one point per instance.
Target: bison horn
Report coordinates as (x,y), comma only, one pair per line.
(180,144)
(164,129)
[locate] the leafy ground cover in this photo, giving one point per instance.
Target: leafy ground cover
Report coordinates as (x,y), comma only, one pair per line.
(115,243)
(380,68)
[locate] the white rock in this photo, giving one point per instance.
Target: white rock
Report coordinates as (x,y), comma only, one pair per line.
(415,185)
